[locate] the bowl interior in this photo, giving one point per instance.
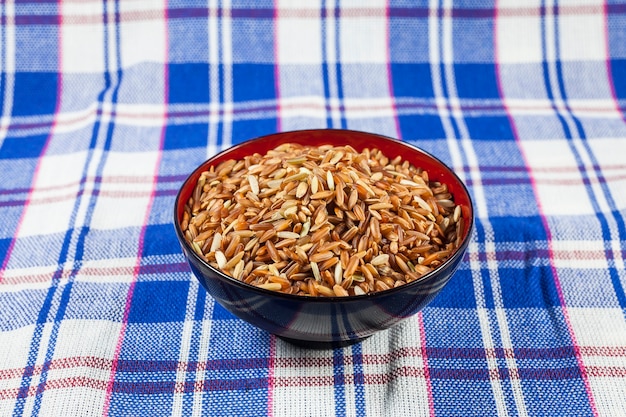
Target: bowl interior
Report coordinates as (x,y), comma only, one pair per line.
(437,170)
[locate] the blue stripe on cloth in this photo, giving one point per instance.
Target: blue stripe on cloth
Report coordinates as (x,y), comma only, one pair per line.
(488,127)
(476,81)
(189,135)
(22,250)
(226,387)
(149,347)
(188,83)
(46,89)
(412,80)
(160,240)
(159,301)
(360,400)
(580,384)
(20,147)
(27,302)
(230,369)
(580,135)
(262,88)
(339,382)
(35,93)
(618,71)
(82,231)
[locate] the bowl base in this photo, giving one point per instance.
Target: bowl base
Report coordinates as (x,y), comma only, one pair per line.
(311,344)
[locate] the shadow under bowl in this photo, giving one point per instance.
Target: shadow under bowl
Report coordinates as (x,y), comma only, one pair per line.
(326,322)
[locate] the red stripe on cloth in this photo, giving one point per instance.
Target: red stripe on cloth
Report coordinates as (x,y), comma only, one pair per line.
(143,387)
(54,384)
(302,362)
(607,371)
(160,366)
(165,268)
(608,351)
(109,179)
(464,105)
(144,228)
(407,371)
(92,362)
(389,377)
(544,221)
(168,387)
(136,366)
(309,13)
(305,381)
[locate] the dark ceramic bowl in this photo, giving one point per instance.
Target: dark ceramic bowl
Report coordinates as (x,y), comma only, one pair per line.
(337,321)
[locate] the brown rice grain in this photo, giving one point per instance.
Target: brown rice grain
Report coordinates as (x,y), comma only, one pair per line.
(272,286)
(339,291)
(332,215)
(321,256)
(351,267)
(329,263)
(233,261)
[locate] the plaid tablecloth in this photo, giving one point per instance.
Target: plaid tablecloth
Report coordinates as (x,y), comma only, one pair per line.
(107,106)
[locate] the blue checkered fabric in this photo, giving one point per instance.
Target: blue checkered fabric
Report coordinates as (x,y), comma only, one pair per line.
(106,107)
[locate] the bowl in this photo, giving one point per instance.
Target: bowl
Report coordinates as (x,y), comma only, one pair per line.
(326,322)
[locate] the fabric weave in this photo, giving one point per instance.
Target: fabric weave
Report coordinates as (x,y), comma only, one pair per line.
(106,107)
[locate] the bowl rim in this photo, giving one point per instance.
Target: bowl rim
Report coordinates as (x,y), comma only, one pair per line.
(459,251)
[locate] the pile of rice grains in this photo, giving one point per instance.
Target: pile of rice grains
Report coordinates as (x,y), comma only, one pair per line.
(322,221)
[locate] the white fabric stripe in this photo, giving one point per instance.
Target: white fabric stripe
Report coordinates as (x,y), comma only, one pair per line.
(111,54)
(7,64)
(227,83)
(203,354)
(185,348)
(490,249)
(330,40)
(214,85)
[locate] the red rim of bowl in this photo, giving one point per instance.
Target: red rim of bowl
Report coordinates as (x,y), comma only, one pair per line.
(359,140)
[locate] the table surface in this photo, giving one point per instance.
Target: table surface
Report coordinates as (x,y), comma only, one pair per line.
(106,107)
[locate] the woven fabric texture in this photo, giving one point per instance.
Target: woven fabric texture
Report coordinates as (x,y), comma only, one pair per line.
(106,107)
